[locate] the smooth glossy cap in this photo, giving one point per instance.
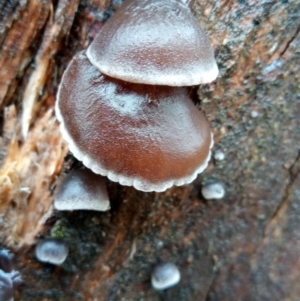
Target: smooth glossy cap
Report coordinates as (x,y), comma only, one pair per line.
(146,136)
(213,190)
(52,250)
(82,190)
(164,276)
(155,42)
(219,155)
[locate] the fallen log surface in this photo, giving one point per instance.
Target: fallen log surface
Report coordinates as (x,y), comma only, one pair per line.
(243,247)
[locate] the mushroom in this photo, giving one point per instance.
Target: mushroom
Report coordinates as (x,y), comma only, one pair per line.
(82,190)
(52,250)
(219,155)
(151,137)
(213,190)
(164,276)
(154,42)
(8,282)
(6,287)
(9,278)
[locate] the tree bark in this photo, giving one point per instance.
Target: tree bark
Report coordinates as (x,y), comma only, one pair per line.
(243,247)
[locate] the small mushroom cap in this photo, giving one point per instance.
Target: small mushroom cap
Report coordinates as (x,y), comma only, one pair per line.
(155,42)
(6,287)
(82,190)
(164,276)
(213,190)
(52,250)
(146,136)
(16,278)
(219,155)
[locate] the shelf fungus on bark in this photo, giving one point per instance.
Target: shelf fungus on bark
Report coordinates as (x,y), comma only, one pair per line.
(151,137)
(82,190)
(121,104)
(155,42)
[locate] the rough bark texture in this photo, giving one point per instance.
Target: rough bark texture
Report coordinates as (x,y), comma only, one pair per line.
(243,247)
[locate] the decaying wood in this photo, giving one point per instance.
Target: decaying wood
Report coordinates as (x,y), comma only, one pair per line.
(27,171)
(58,26)
(19,29)
(244,247)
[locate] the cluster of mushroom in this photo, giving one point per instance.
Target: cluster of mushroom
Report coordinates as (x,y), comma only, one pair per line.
(124,104)
(9,278)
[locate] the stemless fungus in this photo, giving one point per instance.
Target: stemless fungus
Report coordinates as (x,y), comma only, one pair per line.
(154,42)
(213,190)
(164,276)
(219,155)
(51,250)
(151,137)
(82,190)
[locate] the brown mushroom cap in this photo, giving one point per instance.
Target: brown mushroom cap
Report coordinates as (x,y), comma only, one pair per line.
(82,190)
(151,137)
(155,42)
